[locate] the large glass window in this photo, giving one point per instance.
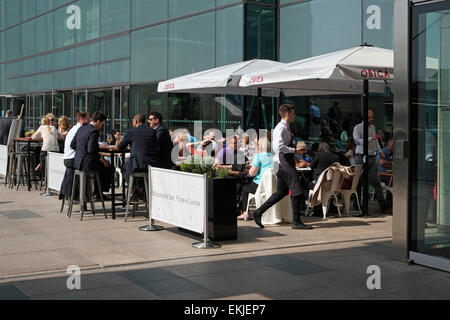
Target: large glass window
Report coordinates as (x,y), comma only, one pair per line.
(63,36)
(229,35)
(90,20)
(317,27)
(149,54)
(261,32)
(430,130)
(13,15)
(179,8)
(115,16)
(145,12)
(191,45)
(44,32)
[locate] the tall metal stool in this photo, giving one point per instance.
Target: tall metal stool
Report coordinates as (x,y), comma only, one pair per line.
(84,177)
(133,177)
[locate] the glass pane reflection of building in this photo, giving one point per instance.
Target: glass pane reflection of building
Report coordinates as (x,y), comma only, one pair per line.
(430,110)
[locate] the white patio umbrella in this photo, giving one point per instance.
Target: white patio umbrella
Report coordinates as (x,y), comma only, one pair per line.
(342,72)
(221,80)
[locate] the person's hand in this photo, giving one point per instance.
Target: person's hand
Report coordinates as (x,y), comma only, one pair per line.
(105,163)
(376,136)
(299,151)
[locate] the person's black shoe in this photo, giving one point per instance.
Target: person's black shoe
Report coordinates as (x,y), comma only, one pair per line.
(302,226)
(257,218)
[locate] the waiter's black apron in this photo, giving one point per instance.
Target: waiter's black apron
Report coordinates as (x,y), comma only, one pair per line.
(287,172)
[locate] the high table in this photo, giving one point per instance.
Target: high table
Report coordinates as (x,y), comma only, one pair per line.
(112,152)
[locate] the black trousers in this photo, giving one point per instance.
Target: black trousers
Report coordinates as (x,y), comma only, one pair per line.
(246,190)
(284,182)
(106,174)
(66,184)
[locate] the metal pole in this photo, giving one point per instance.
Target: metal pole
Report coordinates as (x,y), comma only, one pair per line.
(205,244)
(365,100)
(151,226)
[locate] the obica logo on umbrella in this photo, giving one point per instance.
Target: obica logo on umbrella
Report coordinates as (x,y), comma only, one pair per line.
(169,86)
(256,79)
(379,74)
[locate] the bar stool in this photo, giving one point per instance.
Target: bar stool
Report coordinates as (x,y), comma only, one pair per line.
(130,187)
(84,178)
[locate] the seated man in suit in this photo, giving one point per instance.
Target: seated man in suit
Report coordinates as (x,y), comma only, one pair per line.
(164,140)
(87,151)
(144,147)
(5,125)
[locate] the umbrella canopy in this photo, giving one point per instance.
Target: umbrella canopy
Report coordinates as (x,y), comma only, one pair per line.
(339,72)
(221,80)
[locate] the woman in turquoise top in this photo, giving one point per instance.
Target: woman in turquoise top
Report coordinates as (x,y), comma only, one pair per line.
(262,161)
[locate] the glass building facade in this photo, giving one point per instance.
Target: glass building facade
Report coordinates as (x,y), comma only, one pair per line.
(63,56)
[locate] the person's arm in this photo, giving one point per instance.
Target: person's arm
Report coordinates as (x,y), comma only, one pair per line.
(92,147)
(73,144)
(125,142)
(37,134)
(315,162)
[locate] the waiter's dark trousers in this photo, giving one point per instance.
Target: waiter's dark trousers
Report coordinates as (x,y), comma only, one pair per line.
(284,180)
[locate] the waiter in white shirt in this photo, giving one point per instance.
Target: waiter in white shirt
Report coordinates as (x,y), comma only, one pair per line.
(374,149)
(287,176)
(69,155)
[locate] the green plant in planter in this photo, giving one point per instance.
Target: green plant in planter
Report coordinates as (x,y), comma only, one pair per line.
(202,165)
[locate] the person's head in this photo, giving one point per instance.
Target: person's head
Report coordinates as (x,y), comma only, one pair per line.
(371,116)
(8,113)
(139,120)
(51,117)
(64,122)
(98,119)
(350,145)
(83,117)
(45,121)
(264,145)
(314,148)
(287,113)
(302,146)
(324,147)
(155,119)
(116,133)
(390,144)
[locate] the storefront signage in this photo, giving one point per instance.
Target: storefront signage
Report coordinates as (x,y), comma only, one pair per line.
(374,20)
(74,21)
(169,86)
(379,74)
(256,79)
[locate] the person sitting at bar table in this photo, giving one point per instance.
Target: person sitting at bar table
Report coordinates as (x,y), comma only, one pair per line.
(87,151)
(144,147)
(50,136)
(262,160)
(299,159)
(322,160)
(83,118)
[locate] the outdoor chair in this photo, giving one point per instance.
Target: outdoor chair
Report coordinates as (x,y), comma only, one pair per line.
(282,211)
(347,193)
(136,202)
(85,185)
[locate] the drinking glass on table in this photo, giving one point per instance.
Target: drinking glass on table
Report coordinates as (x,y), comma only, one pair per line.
(109,139)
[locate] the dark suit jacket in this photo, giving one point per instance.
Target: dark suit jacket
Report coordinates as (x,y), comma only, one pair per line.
(85,144)
(165,146)
(144,148)
(5,125)
(321,161)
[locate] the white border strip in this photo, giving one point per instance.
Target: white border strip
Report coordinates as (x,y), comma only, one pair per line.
(430,261)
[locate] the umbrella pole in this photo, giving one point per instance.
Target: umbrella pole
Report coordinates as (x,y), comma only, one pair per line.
(365,105)
(258,109)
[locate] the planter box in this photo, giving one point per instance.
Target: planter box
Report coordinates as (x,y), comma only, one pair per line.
(222,219)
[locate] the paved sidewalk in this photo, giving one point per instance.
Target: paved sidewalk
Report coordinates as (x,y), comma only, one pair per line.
(117,261)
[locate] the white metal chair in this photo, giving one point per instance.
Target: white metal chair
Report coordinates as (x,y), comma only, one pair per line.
(326,195)
(347,194)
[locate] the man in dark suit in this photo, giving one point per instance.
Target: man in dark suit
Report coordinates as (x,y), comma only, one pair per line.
(87,150)
(5,125)
(164,140)
(144,147)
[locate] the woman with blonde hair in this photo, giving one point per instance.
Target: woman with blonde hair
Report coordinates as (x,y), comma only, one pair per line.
(50,136)
(262,160)
(63,126)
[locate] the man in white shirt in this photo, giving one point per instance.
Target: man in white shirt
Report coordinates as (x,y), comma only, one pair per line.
(287,176)
(83,118)
(374,149)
